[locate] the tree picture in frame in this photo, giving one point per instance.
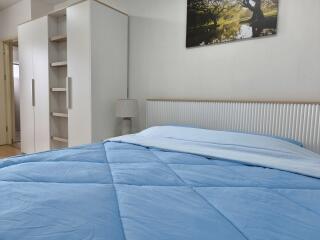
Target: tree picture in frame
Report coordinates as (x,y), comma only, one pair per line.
(221,21)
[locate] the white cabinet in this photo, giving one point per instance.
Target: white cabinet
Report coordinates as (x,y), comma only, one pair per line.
(34,94)
(73,70)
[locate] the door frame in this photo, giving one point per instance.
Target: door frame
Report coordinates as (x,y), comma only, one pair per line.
(3,113)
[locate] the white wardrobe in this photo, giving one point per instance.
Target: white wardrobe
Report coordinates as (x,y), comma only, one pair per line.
(73,67)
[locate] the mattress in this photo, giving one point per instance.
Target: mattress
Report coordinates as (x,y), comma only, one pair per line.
(148,186)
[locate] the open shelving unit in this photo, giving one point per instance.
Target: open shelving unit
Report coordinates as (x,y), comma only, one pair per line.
(57,79)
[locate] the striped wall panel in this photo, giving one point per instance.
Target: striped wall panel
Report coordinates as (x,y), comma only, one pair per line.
(296,121)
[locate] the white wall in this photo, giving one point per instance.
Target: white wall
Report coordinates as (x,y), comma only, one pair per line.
(40,8)
(15,55)
(11,17)
(21,12)
(284,67)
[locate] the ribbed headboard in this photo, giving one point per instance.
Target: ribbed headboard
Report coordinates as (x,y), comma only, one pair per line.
(298,121)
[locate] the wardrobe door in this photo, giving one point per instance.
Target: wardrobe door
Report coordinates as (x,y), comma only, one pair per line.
(79,77)
(27,100)
(41,84)
(109,58)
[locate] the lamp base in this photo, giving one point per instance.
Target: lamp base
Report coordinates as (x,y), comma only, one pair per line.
(126,126)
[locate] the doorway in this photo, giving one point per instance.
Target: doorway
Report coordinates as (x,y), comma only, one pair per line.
(9,95)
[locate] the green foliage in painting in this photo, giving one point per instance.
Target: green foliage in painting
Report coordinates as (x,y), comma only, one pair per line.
(219,21)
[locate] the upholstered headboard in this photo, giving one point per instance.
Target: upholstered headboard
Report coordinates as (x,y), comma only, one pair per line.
(297,121)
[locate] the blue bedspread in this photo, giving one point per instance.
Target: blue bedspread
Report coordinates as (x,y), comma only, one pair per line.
(115,191)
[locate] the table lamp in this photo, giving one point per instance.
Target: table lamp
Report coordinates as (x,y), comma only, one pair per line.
(126,109)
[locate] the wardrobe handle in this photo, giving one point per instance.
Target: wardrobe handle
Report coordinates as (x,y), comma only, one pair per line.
(69,92)
(33,93)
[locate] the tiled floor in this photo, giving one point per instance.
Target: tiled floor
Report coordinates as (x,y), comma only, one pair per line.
(8,151)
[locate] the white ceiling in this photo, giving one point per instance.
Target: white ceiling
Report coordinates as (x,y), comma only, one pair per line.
(7,3)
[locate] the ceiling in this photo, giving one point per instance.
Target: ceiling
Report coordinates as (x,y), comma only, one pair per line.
(7,3)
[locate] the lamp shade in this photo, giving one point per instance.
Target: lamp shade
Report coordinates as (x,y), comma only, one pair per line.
(127,108)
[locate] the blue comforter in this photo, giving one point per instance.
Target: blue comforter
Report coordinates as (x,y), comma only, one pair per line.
(124,189)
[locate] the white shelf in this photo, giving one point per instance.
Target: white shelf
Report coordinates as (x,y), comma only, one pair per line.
(59,38)
(59,139)
(63,115)
(58,89)
(59,64)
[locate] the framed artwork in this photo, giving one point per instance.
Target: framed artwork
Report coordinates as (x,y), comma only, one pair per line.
(221,21)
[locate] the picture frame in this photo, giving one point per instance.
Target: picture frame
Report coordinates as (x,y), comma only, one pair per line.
(221,21)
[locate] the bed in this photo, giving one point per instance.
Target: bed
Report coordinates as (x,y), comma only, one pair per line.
(166,182)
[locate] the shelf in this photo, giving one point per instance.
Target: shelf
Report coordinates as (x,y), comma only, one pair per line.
(59,64)
(59,38)
(59,139)
(58,89)
(63,115)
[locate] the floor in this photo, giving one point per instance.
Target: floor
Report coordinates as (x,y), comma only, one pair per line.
(9,151)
